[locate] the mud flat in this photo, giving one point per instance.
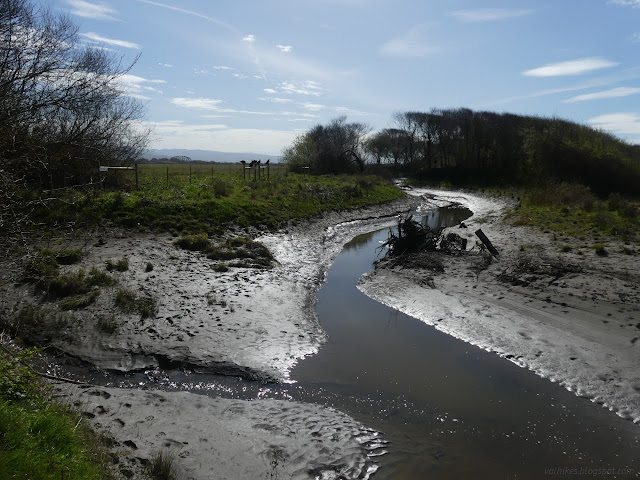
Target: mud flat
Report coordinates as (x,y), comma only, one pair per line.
(573,317)
(228,439)
(255,324)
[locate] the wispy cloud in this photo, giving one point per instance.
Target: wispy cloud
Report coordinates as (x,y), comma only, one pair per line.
(197,103)
(626,3)
(275,99)
(212,105)
(285,48)
(193,13)
(301,88)
(135,86)
(222,67)
(635,38)
(110,41)
(625,124)
(249,38)
(165,65)
(487,14)
(314,107)
(97,11)
(571,67)
(539,93)
(611,93)
(412,44)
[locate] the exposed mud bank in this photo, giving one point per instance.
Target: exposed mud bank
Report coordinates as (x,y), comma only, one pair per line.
(228,439)
(244,322)
(573,317)
(248,322)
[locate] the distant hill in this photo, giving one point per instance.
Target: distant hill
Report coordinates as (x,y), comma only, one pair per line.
(208,155)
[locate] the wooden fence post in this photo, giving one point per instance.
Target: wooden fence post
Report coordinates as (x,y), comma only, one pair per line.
(189,174)
(167,177)
(136,165)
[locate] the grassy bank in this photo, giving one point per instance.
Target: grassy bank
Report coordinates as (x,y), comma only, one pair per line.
(207,201)
(573,211)
(40,439)
(568,210)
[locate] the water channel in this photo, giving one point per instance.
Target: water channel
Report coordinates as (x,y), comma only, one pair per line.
(447,409)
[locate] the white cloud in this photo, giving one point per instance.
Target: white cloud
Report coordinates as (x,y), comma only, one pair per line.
(110,41)
(626,124)
(626,3)
(612,93)
(635,38)
(487,14)
(222,67)
(571,67)
(166,65)
(285,48)
(412,44)
(275,99)
(314,107)
(249,38)
(270,90)
(135,86)
(305,88)
(241,76)
(197,103)
(85,9)
(211,104)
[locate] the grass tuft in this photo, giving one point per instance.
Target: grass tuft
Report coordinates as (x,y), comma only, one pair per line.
(161,467)
(128,302)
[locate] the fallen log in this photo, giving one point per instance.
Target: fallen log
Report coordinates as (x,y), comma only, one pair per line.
(487,243)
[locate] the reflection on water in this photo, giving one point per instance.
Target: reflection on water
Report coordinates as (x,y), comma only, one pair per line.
(449,409)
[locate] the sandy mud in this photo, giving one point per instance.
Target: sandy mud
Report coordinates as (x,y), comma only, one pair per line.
(228,439)
(573,317)
(251,323)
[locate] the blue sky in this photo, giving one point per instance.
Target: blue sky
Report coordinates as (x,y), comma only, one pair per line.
(248,76)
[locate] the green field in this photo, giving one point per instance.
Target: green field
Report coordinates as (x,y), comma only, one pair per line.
(202,198)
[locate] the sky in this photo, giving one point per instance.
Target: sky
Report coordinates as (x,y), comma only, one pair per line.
(250,75)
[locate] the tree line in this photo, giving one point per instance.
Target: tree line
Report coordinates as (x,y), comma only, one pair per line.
(63,108)
(479,147)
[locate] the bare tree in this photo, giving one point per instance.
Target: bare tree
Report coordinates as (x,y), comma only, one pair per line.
(62,108)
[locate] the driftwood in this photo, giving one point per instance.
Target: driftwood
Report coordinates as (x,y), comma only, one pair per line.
(487,243)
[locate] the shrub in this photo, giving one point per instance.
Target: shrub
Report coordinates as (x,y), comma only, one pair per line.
(195,243)
(37,325)
(128,302)
(121,265)
(600,250)
(76,302)
(107,324)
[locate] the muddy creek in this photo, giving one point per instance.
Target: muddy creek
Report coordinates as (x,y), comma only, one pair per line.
(446,408)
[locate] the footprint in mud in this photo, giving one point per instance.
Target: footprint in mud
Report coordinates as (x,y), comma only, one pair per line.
(130,444)
(634,340)
(524,335)
(100,393)
(119,422)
